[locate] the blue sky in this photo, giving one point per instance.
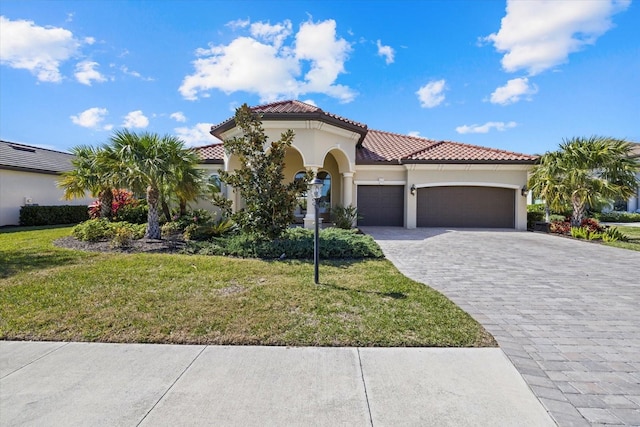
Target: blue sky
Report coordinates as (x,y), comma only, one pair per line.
(515,75)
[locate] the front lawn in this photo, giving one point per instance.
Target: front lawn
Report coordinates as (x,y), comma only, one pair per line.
(50,293)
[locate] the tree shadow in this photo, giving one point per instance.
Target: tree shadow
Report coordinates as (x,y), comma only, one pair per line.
(393,295)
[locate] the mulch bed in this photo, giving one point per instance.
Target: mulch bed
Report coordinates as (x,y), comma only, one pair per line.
(137,246)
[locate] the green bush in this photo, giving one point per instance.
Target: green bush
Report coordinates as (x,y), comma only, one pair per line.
(133,214)
(533,217)
(122,237)
(208,230)
(344,216)
(618,216)
(579,232)
(93,230)
(101,229)
(53,215)
(612,234)
(295,243)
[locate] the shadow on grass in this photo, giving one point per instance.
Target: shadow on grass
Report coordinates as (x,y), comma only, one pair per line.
(18,262)
(394,295)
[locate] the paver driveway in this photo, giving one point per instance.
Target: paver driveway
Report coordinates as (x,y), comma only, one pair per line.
(566,312)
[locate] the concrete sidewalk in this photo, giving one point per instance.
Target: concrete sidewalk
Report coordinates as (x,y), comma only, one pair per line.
(139,384)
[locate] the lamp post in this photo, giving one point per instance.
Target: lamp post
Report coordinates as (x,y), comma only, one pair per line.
(316,192)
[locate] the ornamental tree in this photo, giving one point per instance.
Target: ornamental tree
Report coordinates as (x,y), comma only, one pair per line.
(270,202)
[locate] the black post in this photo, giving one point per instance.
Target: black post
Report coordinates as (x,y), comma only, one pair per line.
(316,243)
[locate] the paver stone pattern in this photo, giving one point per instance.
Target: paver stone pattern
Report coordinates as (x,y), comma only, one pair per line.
(566,312)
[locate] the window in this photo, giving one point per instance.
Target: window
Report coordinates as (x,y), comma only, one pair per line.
(214,183)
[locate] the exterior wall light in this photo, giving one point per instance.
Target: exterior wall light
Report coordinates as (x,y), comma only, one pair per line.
(413,189)
(315,188)
(524,191)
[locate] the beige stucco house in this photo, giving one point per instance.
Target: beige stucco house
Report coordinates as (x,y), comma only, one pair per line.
(393,179)
(28,176)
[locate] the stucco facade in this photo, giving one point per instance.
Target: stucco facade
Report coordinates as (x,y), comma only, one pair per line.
(19,188)
(357,158)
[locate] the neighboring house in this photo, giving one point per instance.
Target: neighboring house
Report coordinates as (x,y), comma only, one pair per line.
(28,176)
(393,180)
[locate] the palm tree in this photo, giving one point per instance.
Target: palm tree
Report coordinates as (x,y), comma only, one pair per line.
(583,172)
(149,163)
(92,172)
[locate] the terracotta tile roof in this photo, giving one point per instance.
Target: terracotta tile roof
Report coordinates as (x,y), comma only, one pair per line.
(389,147)
(377,146)
(29,158)
(213,153)
(296,110)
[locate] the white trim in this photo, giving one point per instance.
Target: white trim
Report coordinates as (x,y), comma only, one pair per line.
(469,184)
(379,182)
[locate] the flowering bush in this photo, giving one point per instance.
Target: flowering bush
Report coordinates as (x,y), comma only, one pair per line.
(590,225)
(121,198)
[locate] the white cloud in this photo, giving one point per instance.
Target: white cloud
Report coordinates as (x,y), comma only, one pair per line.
(41,50)
(86,73)
(485,128)
(513,91)
(272,34)
(178,116)
(386,51)
(310,102)
(135,119)
(431,95)
(133,73)
(264,64)
(91,118)
(197,135)
(414,133)
(538,35)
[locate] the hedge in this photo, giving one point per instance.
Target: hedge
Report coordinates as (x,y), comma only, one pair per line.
(53,215)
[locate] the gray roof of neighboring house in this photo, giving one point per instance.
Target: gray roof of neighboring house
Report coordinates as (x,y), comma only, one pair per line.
(23,157)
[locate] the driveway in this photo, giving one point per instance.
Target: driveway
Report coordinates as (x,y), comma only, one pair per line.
(566,312)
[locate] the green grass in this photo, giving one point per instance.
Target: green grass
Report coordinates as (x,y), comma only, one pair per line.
(49,293)
(633,233)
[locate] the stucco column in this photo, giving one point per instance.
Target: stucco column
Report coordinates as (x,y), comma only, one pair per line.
(347,189)
(310,217)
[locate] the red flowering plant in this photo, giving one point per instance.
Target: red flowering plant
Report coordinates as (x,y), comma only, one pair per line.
(121,198)
(564,227)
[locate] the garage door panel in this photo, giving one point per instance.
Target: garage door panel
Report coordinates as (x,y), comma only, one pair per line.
(381,205)
(466,206)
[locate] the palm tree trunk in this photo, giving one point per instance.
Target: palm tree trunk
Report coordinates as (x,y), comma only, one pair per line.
(153,226)
(106,199)
(578,211)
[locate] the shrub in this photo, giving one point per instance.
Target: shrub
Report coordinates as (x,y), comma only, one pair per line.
(101,229)
(612,234)
(560,227)
(295,243)
(121,199)
(122,237)
(533,217)
(208,230)
(133,214)
(93,230)
(618,216)
(52,215)
(579,232)
(344,216)
(198,217)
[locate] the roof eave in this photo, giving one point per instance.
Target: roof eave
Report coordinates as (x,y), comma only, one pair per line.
(218,130)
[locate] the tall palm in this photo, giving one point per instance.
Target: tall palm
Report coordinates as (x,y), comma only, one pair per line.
(91,172)
(583,172)
(185,183)
(147,163)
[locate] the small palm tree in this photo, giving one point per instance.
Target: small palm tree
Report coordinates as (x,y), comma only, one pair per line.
(583,172)
(148,163)
(92,173)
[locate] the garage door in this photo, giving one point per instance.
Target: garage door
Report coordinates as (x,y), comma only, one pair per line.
(381,205)
(482,207)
